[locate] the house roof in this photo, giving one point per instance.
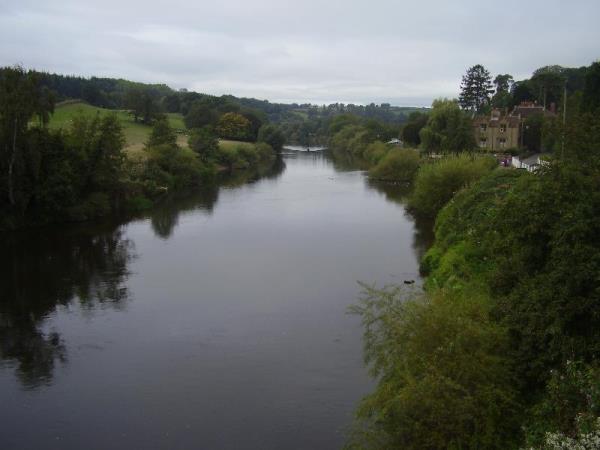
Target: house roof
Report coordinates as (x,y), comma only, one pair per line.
(533,159)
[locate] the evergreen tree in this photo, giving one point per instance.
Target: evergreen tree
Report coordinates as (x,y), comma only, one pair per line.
(476,89)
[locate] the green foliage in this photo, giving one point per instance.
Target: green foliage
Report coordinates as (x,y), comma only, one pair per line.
(21,99)
(436,183)
(200,115)
(412,129)
(204,142)
(397,165)
(548,83)
(350,143)
(162,133)
(272,135)
(570,405)
(532,132)
(233,126)
(375,151)
(591,91)
(476,89)
(342,121)
(443,379)
(143,104)
(448,129)
(171,168)
(240,155)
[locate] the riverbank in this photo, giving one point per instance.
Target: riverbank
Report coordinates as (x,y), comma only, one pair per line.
(499,349)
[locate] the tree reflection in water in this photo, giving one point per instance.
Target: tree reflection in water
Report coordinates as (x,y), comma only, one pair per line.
(45,269)
(87,265)
(398,192)
(165,217)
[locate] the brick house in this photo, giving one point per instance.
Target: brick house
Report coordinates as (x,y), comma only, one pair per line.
(501,130)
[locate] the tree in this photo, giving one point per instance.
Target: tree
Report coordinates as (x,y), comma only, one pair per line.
(256,120)
(444,380)
(448,129)
(532,132)
(548,84)
(162,134)
(502,97)
(590,101)
(233,126)
(410,132)
(21,98)
(272,135)
(503,83)
(200,114)
(204,142)
(476,89)
(142,103)
(522,91)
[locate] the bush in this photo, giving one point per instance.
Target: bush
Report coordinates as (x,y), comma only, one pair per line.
(175,168)
(397,165)
(436,183)
(375,152)
(443,380)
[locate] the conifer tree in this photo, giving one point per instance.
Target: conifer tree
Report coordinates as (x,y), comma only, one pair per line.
(476,89)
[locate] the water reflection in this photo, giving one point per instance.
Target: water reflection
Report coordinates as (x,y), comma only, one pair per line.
(50,269)
(423,236)
(165,216)
(85,266)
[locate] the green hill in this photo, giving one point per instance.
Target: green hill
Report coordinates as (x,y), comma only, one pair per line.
(136,133)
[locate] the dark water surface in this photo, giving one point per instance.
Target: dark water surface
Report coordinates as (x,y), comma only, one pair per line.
(217,322)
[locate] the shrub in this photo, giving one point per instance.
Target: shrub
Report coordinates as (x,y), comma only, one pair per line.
(397,165)
(375,152)
(443,379)
(436,183)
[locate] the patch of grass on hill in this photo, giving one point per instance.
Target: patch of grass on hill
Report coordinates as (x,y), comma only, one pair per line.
(228,144)
(136,134)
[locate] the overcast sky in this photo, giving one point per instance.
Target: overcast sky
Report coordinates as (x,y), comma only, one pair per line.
(319,51)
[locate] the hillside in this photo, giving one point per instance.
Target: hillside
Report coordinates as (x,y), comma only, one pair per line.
(136,133)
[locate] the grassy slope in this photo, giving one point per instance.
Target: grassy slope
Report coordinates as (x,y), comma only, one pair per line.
(136,134)
(225,143)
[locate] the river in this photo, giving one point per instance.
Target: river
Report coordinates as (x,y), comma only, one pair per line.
(217,321)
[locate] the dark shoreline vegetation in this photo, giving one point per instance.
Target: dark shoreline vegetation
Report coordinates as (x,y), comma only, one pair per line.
(498,350)
(82,169)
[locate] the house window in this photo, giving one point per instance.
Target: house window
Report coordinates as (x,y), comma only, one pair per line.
(483,126)
(483,143)
(502,142)
(503,128)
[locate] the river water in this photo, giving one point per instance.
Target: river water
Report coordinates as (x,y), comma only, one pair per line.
(217,321)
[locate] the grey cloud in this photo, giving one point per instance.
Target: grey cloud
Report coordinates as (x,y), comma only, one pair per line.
(318,51)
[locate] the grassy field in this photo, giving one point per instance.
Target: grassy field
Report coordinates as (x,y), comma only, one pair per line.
(136,134)
(224,143)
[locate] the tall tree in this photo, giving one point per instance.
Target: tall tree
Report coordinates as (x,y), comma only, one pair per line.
(21,98)
(448,129)
(272,135)
(590,101)
(548,84)
(476,89)
(502,97)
